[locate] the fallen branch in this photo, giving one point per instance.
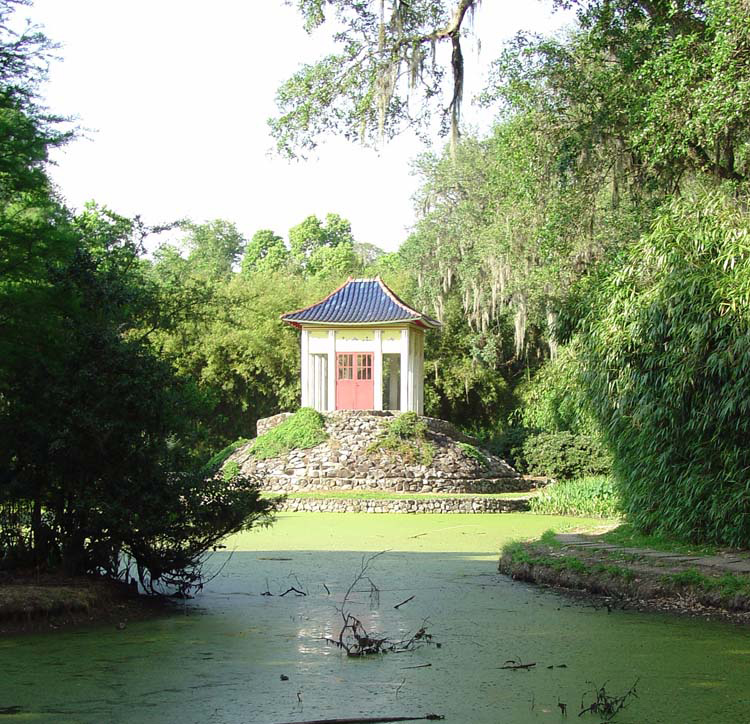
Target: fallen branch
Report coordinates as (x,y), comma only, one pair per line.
(606,704)
(421,666)
(398,605)
(354,637)
(373,720)
(295,590)
(516,664)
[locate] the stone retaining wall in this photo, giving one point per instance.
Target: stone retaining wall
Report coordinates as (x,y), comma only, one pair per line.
(429,505)
(347,460)
(296,483)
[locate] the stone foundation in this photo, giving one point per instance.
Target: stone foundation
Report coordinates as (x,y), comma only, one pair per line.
(428,505)
(346,462)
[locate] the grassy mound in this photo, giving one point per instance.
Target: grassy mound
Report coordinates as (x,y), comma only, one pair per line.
(406,435)
(304,429)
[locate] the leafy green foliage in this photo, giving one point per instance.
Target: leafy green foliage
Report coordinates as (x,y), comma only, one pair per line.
(97,473)
(304,429)
(473,452)
(406,435)
(563,455)
(667,343)
(509,445)
(217,461)
(555,399)
(590,496)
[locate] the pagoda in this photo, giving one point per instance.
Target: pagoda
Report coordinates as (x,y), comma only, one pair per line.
(362,349)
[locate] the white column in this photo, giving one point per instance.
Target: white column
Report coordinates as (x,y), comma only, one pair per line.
(405,370)
(377,371)
(420,373)
(305,368)
(323,383)
(331,370)
(393,386)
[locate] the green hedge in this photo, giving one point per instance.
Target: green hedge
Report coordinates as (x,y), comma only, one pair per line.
(563,455)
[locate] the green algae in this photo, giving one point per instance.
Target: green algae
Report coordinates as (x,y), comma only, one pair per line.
(222,657)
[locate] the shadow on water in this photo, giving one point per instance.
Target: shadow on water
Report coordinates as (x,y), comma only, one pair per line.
(223,658)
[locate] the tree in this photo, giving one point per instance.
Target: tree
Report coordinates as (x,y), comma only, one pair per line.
(367,89)
(265,252)
(215,247)
(96,467)
(323,247)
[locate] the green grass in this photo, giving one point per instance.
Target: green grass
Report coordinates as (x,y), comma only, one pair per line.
(548,539)
(381,495)
(727,585)
(520,553)
(626,535)
(304,429)
(217,460)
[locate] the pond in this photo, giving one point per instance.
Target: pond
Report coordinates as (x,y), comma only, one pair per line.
(234,655)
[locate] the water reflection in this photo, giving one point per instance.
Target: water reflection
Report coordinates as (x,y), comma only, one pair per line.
(223,658)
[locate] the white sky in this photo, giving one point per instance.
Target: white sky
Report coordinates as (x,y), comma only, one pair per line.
(176,93)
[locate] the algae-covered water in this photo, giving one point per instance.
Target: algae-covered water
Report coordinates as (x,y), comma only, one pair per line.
(222,658)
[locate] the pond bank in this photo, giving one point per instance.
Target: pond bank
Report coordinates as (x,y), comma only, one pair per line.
(706,586)
(35,604)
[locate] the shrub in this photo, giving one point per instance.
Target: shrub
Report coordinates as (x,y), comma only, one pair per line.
(667,347)
(473,452)
(509,446)
(406,435)
(593,496)
(216,462)
(563,455)
(304,429)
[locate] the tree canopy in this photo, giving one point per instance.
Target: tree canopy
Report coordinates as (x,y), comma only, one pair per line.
(383,77)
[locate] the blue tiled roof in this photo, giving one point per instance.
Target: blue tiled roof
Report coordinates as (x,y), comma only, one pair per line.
(360,301)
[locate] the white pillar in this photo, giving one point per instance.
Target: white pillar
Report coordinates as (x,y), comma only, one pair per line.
(393,385)
(305,367)
(331,370)
(323,383)
(377,371)
(419,381)
(405,370)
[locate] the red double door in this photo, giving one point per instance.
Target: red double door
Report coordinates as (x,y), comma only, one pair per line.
(355,388)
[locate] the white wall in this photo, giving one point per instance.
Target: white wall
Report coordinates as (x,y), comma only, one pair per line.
(318,368)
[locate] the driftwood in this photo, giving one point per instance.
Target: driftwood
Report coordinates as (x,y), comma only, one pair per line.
(606,704)
(398,605)
(373,719)
(293,590)
(355,639)
(516,664)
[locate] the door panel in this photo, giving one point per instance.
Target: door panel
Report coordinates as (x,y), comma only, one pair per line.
(355,388)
